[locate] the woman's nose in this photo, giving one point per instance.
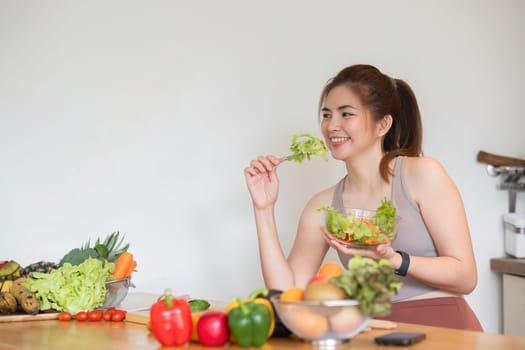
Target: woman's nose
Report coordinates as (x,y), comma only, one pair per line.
(334,123)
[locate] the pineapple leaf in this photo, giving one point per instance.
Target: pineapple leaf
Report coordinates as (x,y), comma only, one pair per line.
(102,250)
(110,240)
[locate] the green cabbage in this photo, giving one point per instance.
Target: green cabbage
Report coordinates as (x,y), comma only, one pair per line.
(72,288)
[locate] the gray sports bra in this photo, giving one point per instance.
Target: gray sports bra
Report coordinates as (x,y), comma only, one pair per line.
(412,237)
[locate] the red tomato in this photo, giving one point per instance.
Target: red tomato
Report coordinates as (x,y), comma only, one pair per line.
(107,315)
(81,316)
(95,315)
(212,328)
(64,316)
(118,315)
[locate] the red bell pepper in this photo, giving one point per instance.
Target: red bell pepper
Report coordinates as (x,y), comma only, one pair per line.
(170,320)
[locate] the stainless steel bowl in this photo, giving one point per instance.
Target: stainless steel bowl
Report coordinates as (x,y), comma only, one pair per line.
(116,292)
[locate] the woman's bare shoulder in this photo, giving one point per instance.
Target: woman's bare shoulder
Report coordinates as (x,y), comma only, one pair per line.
(323,197)
(423,167)
(425,175)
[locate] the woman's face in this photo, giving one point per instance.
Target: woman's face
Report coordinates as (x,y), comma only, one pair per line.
(346,124)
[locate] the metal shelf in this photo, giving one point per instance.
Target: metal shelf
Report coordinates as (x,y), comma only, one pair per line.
(512,180)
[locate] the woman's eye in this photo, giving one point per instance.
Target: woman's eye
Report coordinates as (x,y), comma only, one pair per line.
(326,116)
(347,115)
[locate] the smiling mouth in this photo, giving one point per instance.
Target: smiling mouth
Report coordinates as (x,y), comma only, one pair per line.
(338,139)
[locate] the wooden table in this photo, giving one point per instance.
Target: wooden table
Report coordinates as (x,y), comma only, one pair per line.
(54,334)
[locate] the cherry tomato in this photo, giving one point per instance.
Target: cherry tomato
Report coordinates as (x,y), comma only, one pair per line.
(64,316)
(107,315)
(95,315)
(81,316)
(118,315)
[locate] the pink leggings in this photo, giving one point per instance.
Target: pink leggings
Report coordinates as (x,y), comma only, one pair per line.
(449,312)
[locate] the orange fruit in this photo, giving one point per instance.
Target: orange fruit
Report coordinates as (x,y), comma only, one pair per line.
(330,269)
(306,323)
(292,294)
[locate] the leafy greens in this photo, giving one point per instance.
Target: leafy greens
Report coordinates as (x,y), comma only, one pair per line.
(371,283)
(72,288)
(304,146)
(376,229)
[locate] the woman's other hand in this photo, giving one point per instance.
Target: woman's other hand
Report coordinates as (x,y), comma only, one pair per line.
(262,181)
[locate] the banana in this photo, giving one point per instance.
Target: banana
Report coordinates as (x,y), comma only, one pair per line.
(26,299)
(10,270)
(7,303)
(5,286)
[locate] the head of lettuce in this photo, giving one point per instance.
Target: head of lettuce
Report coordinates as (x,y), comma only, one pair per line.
(72,288)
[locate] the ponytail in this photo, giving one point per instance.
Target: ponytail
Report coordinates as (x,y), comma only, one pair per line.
(405,137)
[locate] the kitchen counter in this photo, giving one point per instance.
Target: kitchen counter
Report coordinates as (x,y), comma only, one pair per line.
(57,335)
(512,272)
(511,266)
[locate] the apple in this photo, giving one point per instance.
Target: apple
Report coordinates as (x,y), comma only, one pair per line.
(318,278)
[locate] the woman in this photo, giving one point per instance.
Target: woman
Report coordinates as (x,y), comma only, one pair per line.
(372,123)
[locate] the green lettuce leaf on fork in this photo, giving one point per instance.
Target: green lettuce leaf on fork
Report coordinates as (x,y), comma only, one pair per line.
(304,146)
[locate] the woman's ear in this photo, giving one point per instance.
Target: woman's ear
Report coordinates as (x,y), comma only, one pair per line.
(384,125)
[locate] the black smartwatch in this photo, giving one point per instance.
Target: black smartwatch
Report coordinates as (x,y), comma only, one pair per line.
(405,262)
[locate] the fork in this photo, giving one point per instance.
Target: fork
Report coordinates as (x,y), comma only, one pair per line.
(291,156)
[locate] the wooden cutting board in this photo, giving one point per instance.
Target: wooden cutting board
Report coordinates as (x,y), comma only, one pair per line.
(25,317)
(142,316)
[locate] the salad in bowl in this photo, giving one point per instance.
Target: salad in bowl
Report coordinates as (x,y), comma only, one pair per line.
(363,228)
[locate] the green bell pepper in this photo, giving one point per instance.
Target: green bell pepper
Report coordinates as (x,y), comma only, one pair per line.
(249,323)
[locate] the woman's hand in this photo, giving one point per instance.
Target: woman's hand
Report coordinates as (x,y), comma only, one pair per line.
(262,181)
(382,251)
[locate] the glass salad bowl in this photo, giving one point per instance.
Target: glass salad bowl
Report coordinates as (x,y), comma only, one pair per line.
(116,292)
(362,229)
(323,323)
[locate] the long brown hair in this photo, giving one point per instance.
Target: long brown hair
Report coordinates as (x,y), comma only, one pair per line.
(383,95)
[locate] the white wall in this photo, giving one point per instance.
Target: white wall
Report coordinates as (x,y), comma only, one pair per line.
(140,116)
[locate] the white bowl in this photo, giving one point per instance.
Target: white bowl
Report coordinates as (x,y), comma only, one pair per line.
(324,323)
(117,290)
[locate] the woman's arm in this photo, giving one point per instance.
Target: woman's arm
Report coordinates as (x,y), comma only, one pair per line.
(309,248)
(442,209)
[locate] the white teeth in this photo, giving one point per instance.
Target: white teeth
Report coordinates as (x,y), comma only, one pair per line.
(338,139)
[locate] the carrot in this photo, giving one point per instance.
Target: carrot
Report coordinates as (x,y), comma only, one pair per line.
(122,265)
(367,223)
(132,267)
